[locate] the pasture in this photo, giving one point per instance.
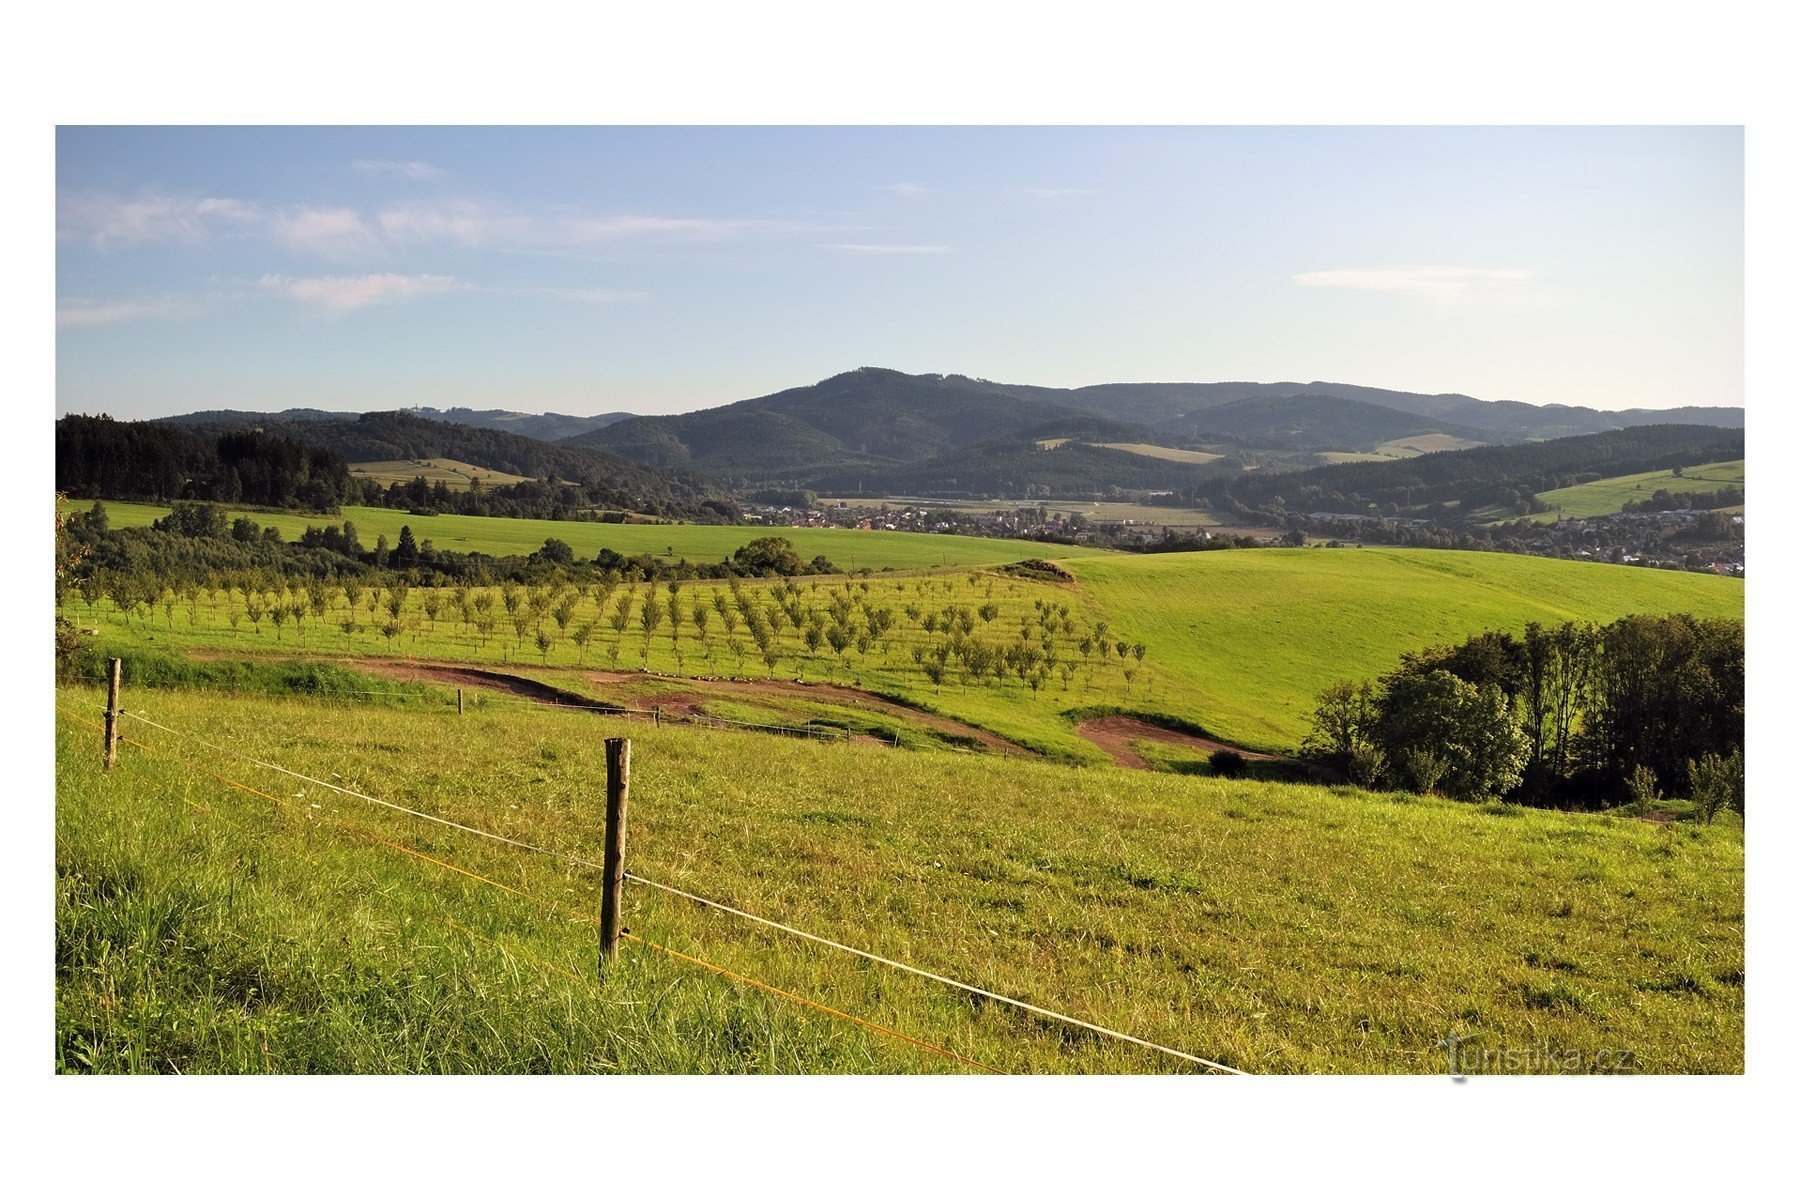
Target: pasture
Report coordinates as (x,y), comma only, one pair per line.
(279,926)
(1236,642)
(1603,497)
(448,471)
(848,549)
(1167,453)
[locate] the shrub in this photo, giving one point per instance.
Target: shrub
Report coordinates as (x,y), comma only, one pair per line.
(1227,763)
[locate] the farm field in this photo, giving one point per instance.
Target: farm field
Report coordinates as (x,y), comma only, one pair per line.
(447,471)
(1273,928)
(849,549)
(1425,443)
(1603,497)
(1164,452)
(1238,643)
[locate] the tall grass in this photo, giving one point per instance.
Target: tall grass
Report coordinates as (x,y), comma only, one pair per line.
(1273,927)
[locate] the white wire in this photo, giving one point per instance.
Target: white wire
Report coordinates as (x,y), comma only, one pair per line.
(702,900)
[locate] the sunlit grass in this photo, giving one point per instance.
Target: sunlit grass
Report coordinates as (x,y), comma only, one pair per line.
(1272,927)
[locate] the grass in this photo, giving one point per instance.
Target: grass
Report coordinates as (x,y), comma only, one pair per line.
(1603,497)
(448,471)
(1239,643)
(1167,453)
(1425,443)
(1276,928)
(849,549)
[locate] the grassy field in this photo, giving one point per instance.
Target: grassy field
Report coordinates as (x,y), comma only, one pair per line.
(849,549)
(1606,496)
(201,927)
(447,471)
(1425,443)
(1242,641)
(1167,453)
(1238,642)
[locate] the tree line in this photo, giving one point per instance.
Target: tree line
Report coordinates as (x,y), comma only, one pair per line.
(146,461)
(1576,716)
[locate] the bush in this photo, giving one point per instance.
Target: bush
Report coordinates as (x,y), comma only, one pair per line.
(1228,763)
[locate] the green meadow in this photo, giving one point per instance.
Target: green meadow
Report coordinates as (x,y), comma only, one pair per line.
(202,927)
(1237,642)
(1243,641)
(1605,496)
(848,549)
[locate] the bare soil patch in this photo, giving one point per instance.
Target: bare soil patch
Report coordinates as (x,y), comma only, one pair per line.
(1115,735)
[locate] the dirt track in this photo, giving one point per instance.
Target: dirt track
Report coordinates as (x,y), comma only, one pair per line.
(1115,735)
(688,703)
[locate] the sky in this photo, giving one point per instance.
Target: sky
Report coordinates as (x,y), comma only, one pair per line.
(653,270)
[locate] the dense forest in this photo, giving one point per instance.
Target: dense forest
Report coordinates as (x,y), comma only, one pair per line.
(302,463)
(136,460)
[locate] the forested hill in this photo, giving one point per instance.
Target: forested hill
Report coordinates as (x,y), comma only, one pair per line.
(614,482)
(893,429)
(865,418)
(99,458)
(546,427)
(1443,485)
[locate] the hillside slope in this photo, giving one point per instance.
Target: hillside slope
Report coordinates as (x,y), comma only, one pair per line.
(386,436)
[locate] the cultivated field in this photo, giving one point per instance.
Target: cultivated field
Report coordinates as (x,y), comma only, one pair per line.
(204,927)
(849,549)
(1238,643)
(1605,496)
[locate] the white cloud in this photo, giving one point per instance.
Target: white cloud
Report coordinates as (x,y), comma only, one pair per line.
(150,216)
(883,249)
(406,170)
(90,314)
(340,294)
(334,233)
(1443,284)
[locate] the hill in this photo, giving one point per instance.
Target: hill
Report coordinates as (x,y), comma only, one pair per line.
(546,427)
(609,480)
(1605,496)
(1452,486)
(899,431)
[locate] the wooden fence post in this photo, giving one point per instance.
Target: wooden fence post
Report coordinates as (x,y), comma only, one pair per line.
(459,702)
(612,862)
(114,674)
(656,716)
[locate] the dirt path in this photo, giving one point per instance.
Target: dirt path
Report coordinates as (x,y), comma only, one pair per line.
(687,704)
(1116,734)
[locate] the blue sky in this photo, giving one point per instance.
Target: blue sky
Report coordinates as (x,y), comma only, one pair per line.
(658,269)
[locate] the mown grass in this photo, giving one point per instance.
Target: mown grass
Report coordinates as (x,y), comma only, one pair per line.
(848,549)
(1241,642)
(1605,496)
(1275,928)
